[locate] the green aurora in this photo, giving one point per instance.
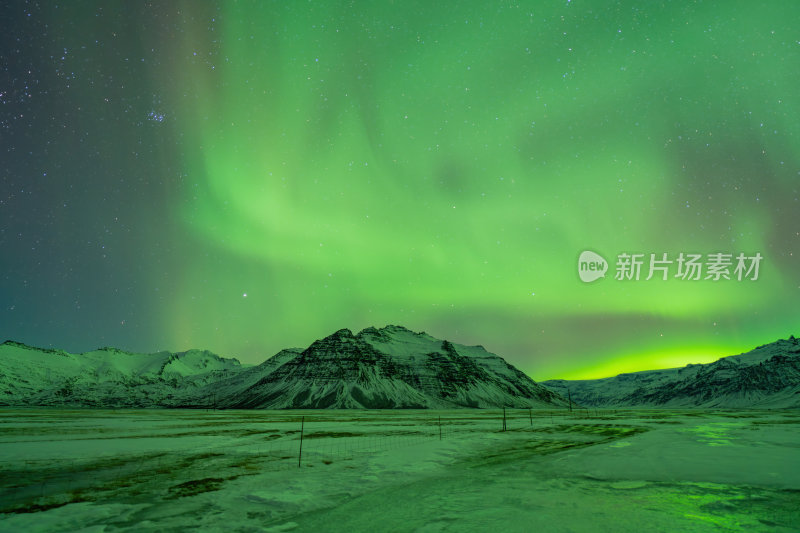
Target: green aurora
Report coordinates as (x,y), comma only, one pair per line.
(442,166)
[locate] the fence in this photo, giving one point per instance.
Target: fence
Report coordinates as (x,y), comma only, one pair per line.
(297,440)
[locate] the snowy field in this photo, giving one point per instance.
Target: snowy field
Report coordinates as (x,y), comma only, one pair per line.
(180,470)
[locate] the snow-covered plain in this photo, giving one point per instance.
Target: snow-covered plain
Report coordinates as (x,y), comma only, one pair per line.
(181,470)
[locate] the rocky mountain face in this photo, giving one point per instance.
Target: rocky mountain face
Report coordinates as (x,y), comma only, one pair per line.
(391,367)
(766,377)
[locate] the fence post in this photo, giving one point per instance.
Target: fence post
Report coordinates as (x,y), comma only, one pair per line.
(300,455)
(530,415)
(440,428)
(504,418)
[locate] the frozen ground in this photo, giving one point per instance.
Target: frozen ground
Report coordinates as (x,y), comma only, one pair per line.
(179,470)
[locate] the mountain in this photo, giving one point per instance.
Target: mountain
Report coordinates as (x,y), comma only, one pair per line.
(106,377)
(765,377)
(391,367)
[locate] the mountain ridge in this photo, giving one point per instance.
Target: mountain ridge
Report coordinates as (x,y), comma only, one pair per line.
(390,367)
(767,376)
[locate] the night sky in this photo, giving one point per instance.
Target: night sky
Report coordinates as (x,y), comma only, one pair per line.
(249,176)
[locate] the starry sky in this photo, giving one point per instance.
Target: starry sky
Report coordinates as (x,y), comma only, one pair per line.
(249,176)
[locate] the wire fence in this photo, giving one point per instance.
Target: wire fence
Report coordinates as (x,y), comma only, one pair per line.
(36,484)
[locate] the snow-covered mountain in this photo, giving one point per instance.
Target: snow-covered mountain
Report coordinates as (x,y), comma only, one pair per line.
(768,377)
(391,367)
(106,377)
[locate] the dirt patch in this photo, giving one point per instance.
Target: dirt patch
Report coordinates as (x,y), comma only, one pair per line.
(195,486)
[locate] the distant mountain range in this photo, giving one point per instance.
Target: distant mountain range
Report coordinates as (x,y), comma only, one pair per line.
(391,367)
(106,377)
(766,377)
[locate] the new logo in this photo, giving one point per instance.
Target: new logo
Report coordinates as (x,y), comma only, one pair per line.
(591,266)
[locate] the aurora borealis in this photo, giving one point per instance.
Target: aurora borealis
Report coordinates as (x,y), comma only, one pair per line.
(249,176)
